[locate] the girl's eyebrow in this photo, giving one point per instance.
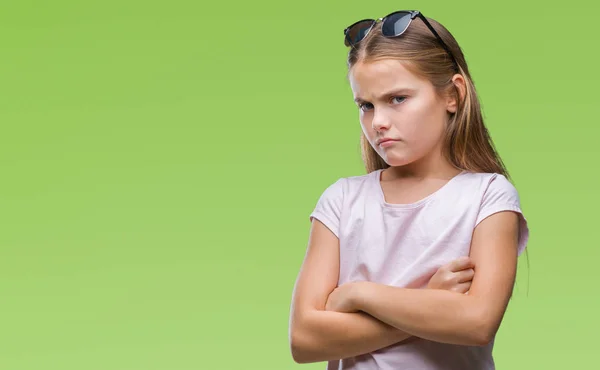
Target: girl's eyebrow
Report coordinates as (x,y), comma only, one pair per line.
(394,92)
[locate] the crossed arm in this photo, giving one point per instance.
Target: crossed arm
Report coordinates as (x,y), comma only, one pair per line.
(378,315)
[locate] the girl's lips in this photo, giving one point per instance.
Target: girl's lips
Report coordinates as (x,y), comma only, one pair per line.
(386,143)
(384,140)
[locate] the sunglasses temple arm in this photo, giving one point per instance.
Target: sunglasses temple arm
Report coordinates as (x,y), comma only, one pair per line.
(438,37)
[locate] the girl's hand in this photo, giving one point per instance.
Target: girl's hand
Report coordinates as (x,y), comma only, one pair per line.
(455,276)
(343,298)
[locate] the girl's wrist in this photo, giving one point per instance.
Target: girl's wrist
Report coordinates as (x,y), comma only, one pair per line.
(360,294)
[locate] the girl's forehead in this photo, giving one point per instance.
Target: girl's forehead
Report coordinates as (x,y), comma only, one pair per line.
(381,75)
(380,67)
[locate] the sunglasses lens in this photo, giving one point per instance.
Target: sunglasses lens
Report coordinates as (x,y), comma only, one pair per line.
(357,32)
(395,24)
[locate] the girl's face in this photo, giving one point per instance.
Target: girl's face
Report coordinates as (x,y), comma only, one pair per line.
(396,104)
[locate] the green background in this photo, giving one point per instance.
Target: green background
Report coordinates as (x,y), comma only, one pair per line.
(160,160)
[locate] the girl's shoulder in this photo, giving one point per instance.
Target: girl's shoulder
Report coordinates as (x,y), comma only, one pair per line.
(490,187)
(481,187)
(485,179)
(347,183)
(346,186)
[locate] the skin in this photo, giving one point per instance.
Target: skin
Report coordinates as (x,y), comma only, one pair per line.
(395,103)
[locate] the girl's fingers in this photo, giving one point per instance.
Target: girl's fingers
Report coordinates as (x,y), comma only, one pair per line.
(465,275)
(462,263)
(462,287)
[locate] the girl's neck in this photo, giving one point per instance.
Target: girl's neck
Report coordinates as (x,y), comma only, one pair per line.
(419,171)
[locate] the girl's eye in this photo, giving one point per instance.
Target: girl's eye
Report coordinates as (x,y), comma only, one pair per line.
(364,106)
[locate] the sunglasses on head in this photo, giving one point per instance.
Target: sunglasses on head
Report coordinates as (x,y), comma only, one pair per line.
(392,25)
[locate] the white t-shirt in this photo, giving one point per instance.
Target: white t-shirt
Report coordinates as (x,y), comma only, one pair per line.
(403,245)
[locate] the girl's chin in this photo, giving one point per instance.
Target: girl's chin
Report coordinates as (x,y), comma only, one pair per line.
(396,160)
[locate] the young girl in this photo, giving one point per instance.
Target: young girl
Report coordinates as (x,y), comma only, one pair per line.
(436,197)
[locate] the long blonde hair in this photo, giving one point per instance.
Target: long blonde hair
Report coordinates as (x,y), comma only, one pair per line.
(467,143)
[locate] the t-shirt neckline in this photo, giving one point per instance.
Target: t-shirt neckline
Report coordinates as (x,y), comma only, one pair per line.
(421,202)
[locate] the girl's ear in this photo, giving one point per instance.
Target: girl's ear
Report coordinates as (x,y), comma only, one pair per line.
(459,82)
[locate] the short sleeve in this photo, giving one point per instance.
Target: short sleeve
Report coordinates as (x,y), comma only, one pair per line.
(501,195)
(328,209)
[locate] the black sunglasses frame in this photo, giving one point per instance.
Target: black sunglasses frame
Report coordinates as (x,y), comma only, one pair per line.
(413,14)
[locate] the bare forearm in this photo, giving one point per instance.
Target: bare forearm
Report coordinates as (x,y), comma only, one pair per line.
(329,335)
(437,315)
